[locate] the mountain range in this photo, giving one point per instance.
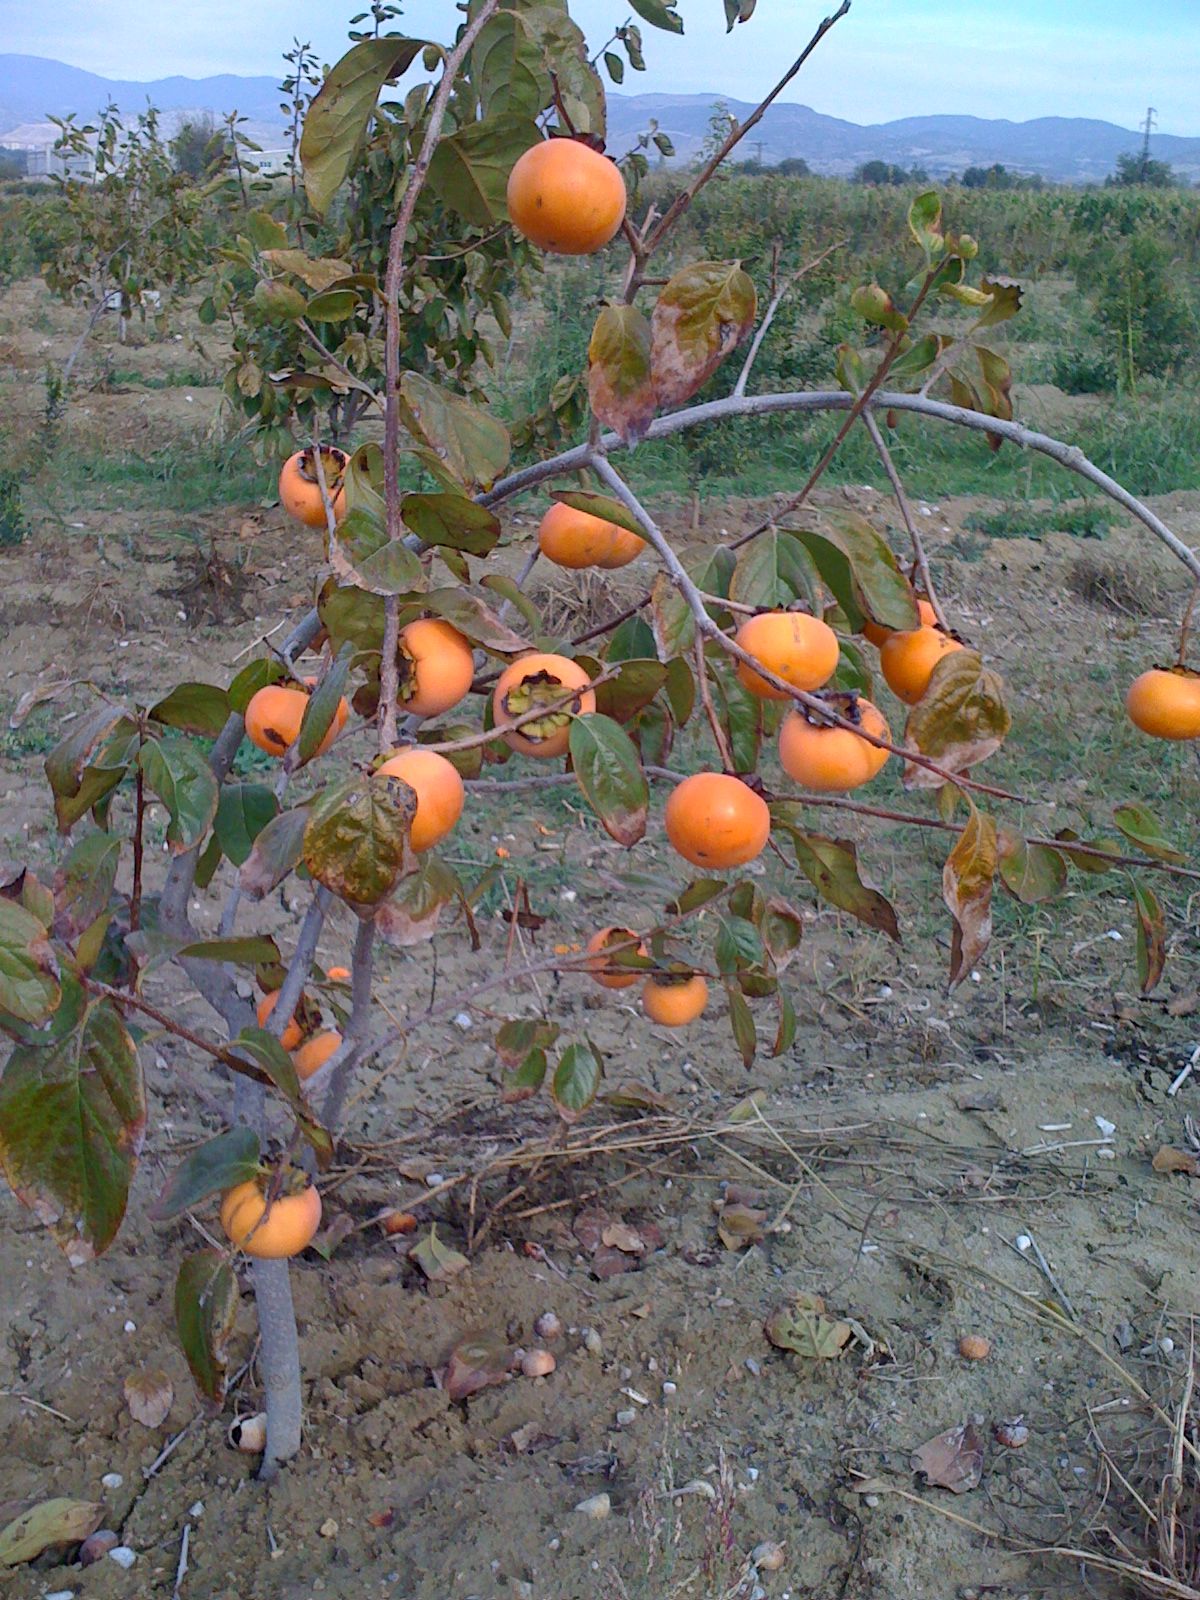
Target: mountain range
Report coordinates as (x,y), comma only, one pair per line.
(1063,149)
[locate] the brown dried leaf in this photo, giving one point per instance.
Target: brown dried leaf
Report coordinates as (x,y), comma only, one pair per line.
(589,1229)
(739,1226)
(953,1460)
(436,1260)
(477,1362)
(620,1236)
(1168,1159)
(149,1396)
(802,1327)
(609,1262)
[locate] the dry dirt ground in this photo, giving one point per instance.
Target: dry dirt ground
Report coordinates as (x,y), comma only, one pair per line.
(897,1152)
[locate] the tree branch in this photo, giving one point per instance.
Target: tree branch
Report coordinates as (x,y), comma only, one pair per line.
(1066,455)
(388,675)
(736,134)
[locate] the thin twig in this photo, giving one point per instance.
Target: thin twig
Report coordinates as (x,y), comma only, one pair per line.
(736,134)
(777,299)
(914,534)
(714,722)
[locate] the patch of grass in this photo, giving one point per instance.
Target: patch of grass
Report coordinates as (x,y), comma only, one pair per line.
(191,477)
(1016,520)
(12,516)
(186,378)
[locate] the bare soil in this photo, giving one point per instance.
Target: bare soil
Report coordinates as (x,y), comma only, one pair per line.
(897,1152)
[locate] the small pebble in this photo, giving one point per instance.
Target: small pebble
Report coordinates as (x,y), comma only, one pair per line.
(624,1418)
(767,1556)
(112,1480)
(1011,1433)
(974,1347)
(329,1528)
(596,1506)
(131,1327)
(752,1367)
(62,1594)
(1023,1241)
(463,1021)
(433,1179)
(97,1545)
(592,1342)
(669,1389)
(870,1499)
(123,1556)
(1166,1345)
(547,1326)
(538,1363)
(196,1509)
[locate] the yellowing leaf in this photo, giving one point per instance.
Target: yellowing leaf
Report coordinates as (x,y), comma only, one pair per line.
(703,313)
(620,384)
(960,720)
(967,890)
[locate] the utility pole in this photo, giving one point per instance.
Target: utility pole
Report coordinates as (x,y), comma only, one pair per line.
(1147,130)
(758,146)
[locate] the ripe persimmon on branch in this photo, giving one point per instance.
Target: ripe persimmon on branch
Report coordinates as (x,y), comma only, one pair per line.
(424,648)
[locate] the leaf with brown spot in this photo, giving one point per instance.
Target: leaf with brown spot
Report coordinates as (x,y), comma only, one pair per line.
(1030,872)
(702,314)
(356,837)
(967,890)
(609,1262)
(960,720)
(831,866)
(44,1526)
(620,385)
(953,1460)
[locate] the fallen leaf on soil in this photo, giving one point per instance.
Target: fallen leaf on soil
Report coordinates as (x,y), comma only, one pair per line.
(747,1110)
(1183,1005)
(622,1237)
(633,1096)
(381,1519)
(436,1260)
(476,1362)
(802,1327)
(589,1229)
(609,1262)
(1168,1159)
(739,1226)
(148,1396)
(953,1460)
(51,1523)
(338,1231)
(977,1100)
(741,1194)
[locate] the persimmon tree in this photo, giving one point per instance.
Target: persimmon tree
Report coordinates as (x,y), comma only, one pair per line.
(424,680)
(126,223)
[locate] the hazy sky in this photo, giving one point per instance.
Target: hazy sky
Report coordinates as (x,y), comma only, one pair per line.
(888,58)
